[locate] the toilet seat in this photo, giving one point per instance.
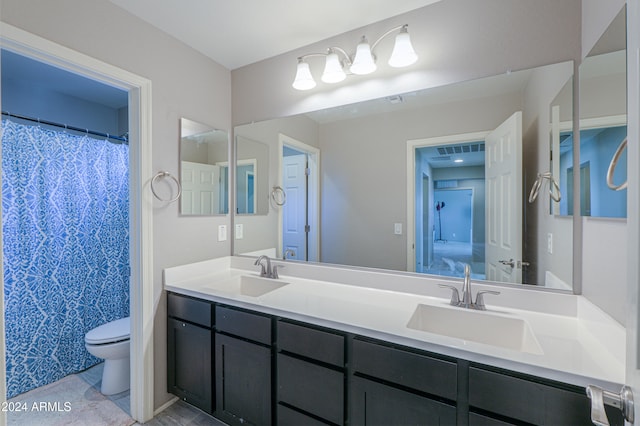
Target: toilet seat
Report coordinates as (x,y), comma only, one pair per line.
(111,332)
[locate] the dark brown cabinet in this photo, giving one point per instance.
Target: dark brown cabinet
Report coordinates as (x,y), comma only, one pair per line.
(243,367)
(247,367)
(376,404)
(392,385)
(189,351)
(311,375)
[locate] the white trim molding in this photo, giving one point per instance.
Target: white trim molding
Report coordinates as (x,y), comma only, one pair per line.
(141,214)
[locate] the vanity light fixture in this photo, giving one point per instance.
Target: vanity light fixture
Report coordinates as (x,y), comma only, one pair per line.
(363,62)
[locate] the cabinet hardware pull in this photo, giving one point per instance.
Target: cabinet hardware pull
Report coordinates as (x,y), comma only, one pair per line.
(599,397)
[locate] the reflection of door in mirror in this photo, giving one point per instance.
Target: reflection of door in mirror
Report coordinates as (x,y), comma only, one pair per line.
(450,206)
(246,176)
(252,176)
(299,220)
(504,201)
(204,169)
(477,191)
(200,188)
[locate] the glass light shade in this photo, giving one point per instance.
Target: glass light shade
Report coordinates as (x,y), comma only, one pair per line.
(363,62)
(403,54)
(333,72)
(304,80)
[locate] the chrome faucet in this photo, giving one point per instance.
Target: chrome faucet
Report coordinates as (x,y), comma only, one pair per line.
(289,252)
(267,271)
(467,297)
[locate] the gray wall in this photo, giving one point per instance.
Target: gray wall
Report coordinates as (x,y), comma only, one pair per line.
(184,84)
(458,40)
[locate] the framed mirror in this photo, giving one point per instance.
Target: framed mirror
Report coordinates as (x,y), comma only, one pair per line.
(204,169)
(391,194)
(603,125)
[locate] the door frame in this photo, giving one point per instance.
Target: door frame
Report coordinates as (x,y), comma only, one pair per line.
(633,199)
(412,146)
(313,194)
(140,204)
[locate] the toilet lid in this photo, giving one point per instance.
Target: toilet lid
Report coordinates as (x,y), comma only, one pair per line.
(113,331)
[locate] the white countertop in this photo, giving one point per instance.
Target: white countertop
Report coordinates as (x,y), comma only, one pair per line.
(581,345)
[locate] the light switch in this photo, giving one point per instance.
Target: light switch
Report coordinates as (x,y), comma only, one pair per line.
(397,228)
(550,243)
(239,231)
(222,232)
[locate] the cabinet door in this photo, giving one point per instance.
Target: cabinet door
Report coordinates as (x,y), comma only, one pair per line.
(189,363)
(376,404)
(243,382)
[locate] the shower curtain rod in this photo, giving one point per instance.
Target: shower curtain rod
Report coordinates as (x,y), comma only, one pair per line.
(64,126)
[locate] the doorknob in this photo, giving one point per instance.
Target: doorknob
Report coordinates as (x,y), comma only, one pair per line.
(599,397)
(509,262)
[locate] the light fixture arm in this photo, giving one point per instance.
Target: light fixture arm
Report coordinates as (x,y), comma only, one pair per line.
(347,58)
(310,55)
(392,30)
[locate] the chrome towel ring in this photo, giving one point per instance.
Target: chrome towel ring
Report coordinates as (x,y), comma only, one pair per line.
(278,196)
(165,174)
(554,189)
(612,168)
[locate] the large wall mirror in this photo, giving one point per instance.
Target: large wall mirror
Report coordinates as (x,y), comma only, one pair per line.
(603,125)
(204,169)
(405,182)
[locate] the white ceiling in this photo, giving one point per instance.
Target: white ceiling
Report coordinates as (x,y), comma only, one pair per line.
(236,33)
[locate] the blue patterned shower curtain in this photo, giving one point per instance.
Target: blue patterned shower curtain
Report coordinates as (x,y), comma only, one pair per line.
(65,225)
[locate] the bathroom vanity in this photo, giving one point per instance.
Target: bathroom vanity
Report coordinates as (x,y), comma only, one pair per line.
(297,351)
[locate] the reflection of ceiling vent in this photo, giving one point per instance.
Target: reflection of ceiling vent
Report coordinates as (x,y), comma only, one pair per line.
(442,158)
(460,149)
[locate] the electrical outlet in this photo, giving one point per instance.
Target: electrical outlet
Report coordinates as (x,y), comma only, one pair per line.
(239,231)
(222,232)
(550,243)
(397,228)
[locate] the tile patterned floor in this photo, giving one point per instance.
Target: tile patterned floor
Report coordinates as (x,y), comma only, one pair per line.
(76,400)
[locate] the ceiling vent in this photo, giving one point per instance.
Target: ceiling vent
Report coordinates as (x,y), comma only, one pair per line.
(461,149)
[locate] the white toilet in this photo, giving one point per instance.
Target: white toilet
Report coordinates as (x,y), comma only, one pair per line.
(110,342)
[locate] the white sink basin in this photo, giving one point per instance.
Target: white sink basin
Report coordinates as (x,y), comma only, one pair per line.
(485,327)
(248,285)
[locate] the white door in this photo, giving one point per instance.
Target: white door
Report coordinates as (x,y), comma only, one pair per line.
(294,179)
(200,188)
(503,160)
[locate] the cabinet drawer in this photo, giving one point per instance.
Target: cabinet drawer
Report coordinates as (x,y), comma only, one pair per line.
(417,371)
(289,417)
(189,309)
(375,404)
(480,420)
(244,324)
(311,343)
(525,400)
(311,388)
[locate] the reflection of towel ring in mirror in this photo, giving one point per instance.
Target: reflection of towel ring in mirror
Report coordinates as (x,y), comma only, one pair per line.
(554,189)
(163,174)
(281,199)
(612,168)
